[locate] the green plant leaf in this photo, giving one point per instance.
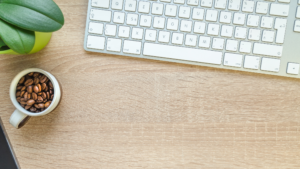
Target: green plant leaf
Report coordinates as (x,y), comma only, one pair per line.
(2,43)
(34,15)
(18,39)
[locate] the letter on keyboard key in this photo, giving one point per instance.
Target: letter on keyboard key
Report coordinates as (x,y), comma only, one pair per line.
(132,47)
(100,15)
(181,53)
(268,64)
(95,42)
(279,10)
(266,49)
(234,60)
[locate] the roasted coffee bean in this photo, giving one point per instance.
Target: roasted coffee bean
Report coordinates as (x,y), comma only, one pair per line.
(29,89)
(25,96)
(28,107)
(18,93)
(45,101)
(40,87)
(47,104)
(19,99)
(34,96)
(32,109)
(44,95)
(51,92)
(43,86)
(40,99)
(22,93)
(46,89)
(50,85)
(30,74)
(23,102)
(30,102)
(43,79)
(21,81)
(19,87)
(40,93)
(23,88)
(52,97)
(36,80)
(36,74)
(23,105)
(36,106)
(41,105)
(48,95)
(35,89)
(28,82)
(29,96)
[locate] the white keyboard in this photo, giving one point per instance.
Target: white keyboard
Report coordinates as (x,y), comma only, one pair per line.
(260,36)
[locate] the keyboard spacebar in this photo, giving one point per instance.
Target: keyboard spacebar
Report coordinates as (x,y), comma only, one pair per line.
(181,53)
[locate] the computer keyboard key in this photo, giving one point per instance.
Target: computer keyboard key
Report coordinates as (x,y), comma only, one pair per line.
(164,37)
(213,29)
(245,47)
(198,14)
(150,35)
(186,26)
(254,34)
(239,18)
(193,2)
(268,36)
(234,60)
(119,17)
(157,8)
(231,45)
(159,22)
(211,15)
(206,3)
(113,45)
(251,62)
(130,5)
(269,64)
(280,25)
(179,1)
(100,3)
(297,26)
(177,38)
(267,22)
(225,17)
(267,49)
(248,6)
(227,31)
(137,33)
(110,30)
(132,47)
(191,40)
(240,33)
(117,4)
(279,9)
(124,31)
(171,10)
(220,4)
(262,7)
(172,24)
(144,7)
(96,28)
(184,12)
(146,21)
(253,20)
(132,19)
(234,5)
(218,43)
(180,53)
(199,27)
(293,68)
(95,42)
(100,15)
(298,12)
(284,1)
(204,41)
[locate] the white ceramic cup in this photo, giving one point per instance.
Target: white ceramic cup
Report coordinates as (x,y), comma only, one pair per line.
(20,116)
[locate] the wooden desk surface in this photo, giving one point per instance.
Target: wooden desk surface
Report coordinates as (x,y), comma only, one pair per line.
(121,112)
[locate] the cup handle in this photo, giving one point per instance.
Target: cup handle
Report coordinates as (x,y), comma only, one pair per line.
(18,119)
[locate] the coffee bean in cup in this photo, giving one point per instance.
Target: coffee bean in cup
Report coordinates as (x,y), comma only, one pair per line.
(35,92)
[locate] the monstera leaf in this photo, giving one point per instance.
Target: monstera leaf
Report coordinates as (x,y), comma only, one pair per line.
(2,43)
(33,15)
(18,39)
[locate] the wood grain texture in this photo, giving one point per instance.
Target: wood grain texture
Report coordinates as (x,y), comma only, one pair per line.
(120,112)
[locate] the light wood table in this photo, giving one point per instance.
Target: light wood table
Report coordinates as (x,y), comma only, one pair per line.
(120,112)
